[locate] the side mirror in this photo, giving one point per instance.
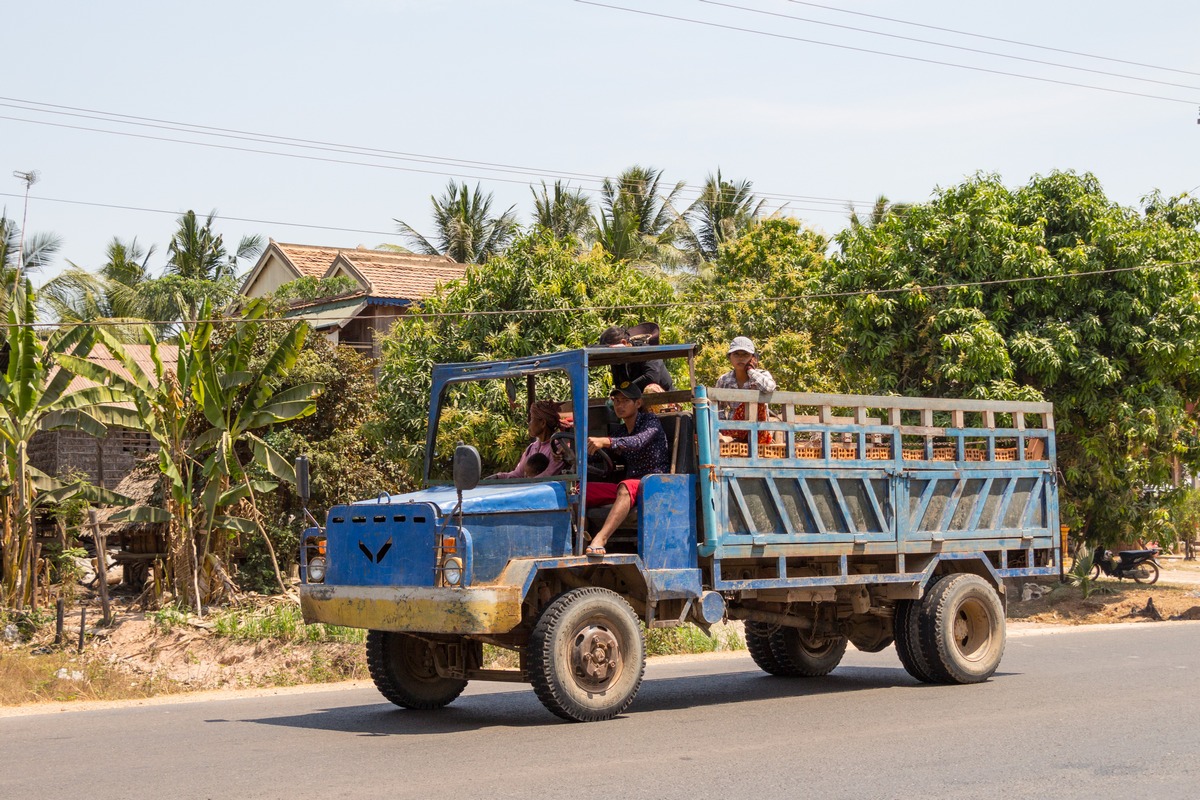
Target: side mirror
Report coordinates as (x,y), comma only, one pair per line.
(302,478)
(467,467)
(510,391)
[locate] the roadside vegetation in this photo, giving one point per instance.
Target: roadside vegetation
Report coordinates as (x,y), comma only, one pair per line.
(1046,291)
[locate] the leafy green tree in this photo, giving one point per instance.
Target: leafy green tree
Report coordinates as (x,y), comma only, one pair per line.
(34,398)
(723,211)
(537,272)
(309,290)
(775,258)
(1071,298)
(465,228)
(637,223)
(565,212)
(113,293)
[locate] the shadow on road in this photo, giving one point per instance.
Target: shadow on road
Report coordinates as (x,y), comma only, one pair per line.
(521,708)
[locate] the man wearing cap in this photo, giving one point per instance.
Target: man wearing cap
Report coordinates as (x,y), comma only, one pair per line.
(644,446)
(745,374)
(641,373)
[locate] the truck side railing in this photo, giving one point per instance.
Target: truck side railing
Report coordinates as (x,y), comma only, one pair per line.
(875,480)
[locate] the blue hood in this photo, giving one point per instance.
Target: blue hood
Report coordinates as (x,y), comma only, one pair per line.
(483,499)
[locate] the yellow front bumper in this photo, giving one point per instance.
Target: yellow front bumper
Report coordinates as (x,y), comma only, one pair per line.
(417,609)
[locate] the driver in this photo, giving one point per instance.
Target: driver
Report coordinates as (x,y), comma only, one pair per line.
(544,421)
(644,447)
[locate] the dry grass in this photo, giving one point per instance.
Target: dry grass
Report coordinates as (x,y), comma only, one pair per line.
(65,676)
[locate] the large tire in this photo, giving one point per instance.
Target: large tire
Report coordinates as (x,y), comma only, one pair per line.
(587,655)
(802,656)
(758,642)
(1146,572)
(961,629)
(403,670)
(908,647)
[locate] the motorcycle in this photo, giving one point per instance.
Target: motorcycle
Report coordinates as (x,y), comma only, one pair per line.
(1137,564)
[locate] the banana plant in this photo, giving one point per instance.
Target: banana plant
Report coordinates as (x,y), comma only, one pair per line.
(34,397)
(238,401)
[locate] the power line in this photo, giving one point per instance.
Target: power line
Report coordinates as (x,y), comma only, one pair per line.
(633,306)
(38,107)
(988,70)
(949,46)
(216,216)
(992,38)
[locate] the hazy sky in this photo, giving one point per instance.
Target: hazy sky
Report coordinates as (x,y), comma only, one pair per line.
(556,88)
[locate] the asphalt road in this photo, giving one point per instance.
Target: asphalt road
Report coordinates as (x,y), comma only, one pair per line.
(1073,713)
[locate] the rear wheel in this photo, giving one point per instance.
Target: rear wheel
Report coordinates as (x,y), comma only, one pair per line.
(908,646)
(758,642)
(1095,572)
(404,671)
(1145,572)
(961,629)
(802,655)
(587,655)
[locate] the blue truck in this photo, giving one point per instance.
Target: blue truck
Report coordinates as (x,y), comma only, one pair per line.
(840,519)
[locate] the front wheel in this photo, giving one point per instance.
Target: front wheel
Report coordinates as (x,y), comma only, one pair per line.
(1096,572)
(587,655)
(404,671)
(1145,572)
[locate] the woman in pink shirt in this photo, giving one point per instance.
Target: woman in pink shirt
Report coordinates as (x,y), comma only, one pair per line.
(543,423)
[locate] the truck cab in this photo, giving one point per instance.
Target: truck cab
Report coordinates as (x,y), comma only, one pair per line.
(839,519)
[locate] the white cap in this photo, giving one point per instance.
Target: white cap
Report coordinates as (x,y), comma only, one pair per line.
(742,343)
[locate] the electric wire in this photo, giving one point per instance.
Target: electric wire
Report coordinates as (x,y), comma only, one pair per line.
(626,306)
(370,152)
(949,46)
(992,38)
(988,70)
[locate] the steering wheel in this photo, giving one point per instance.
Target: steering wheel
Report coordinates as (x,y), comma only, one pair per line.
(599,464)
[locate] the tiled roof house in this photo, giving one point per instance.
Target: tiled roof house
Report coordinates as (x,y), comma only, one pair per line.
(388,283)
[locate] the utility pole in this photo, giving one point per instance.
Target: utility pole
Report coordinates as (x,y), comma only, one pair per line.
(30,178)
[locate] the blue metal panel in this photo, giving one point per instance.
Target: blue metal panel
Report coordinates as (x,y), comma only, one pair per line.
(499,538)
(667,522)
(381,545)
(670,584)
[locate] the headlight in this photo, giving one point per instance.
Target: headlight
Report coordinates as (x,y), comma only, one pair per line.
(452,571)
(316,570)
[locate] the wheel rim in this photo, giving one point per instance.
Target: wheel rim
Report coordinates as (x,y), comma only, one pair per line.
(1145,573)
(596,658)
(817,647)
(418,659)
(972,630)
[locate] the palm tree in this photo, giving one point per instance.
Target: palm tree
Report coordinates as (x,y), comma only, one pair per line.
(566,213)
(114,293)
(199,268)
(466,229)
(637,223)
(39,250)
(881,208)
(723,211)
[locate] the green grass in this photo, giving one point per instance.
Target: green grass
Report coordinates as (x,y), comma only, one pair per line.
(688,639)
(282,623)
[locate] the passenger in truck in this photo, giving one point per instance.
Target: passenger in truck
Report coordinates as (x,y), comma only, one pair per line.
(544,422)
(536,464)
(746,374)
(644,446)
(640,373)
